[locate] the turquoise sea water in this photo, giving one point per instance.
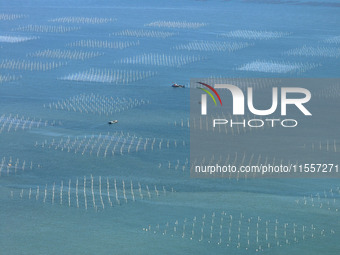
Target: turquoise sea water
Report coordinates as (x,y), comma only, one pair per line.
(158,209)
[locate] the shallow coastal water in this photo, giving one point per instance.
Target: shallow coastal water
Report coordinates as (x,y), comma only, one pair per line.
(139,197)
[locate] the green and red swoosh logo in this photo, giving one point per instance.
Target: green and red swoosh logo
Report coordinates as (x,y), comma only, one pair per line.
(209,93)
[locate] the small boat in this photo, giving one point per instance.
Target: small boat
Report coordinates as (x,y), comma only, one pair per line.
(175,85)
(113,122)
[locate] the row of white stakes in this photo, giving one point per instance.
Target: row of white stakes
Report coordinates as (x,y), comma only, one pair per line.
(93,103)
(329,146)
(11,16)
(254,234)
(16,39)
(12,166)
(214,46)
(176,24)
(115,76)
(65,54)
(175,165)
(90,43)
(161,60)
(9,78)
(15,122)
(82,20)
(79,196)
(255,34)
(284,67)
(329,200)
(46,28)
(29,65)
(144,33)
(333,40)
(117,143)
(319,51)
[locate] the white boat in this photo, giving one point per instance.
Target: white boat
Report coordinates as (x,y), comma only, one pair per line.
(175,85)
(113,122)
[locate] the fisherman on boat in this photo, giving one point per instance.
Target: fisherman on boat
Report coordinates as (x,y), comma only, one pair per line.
(175,85)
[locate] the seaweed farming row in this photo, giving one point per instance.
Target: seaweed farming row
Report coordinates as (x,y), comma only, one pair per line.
(175,165)
(160,60)
(9,17)
(10,166)
(46,29)
(16,39)
(88,192)
(334,39)
(104,145)
(327,146)
(96,104)
(16,122)
(254,234)
(328,200)
(65,54)
(213,46)
(176,24)
(8,78)
(83,20)
(320,51)
(277,67)
(103,44)
(255,34)
(29,65)
(109,76)
(144,33)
